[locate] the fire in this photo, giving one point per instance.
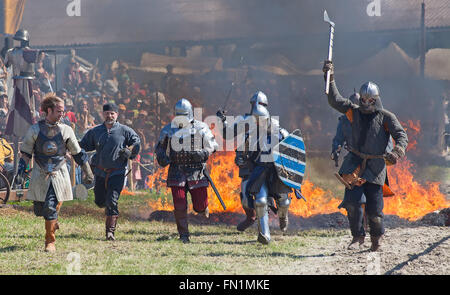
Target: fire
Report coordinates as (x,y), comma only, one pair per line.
(225,175)
(155,182)
(411,200)
(413,130)
(318,201)
(126,192)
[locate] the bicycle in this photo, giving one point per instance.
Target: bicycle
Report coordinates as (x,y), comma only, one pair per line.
(5,186)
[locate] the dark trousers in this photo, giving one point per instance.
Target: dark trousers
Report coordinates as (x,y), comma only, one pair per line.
(107,196)
(353,201)
(47,209)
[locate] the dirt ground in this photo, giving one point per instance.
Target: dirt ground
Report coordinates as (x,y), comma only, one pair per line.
(408,248)
(422,250)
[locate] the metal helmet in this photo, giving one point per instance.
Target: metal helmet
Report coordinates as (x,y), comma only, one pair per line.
(259,98)
(22,35)
(369,90)
(184,108)
(262,116)
(260,111)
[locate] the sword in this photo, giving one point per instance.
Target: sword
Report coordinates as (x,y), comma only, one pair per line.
(330,47)
(206,173)
(228,96)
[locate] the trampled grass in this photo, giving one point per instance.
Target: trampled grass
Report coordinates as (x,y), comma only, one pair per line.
(143,247)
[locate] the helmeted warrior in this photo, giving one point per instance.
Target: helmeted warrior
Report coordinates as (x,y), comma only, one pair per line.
(22,59)
(363,170)
(343,137)
(263,184)
(47,142)
(186,144)
(242,159)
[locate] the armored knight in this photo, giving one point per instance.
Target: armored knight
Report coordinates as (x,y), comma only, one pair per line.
(246,160)
(242,159)
(47,142)
(185,144)
(263,184)
(22,59)
(363,171)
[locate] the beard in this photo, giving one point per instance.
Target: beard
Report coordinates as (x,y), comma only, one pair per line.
(110,121)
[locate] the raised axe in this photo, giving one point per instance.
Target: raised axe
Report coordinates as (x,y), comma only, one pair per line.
(330,47)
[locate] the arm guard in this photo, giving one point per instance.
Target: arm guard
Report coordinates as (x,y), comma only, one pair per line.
(81,158)
(88,176)
(161,156)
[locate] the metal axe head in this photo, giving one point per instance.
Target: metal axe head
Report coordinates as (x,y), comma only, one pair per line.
(327,19)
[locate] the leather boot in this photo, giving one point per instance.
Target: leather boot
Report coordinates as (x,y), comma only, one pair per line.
(110,224)
(284,221)
(249,219)
(50,227)
(375,243)
(181,219)
(205,213)
(356,243)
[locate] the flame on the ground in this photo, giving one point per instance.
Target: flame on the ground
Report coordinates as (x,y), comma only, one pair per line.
(126,192)
(225,175)
(411,201)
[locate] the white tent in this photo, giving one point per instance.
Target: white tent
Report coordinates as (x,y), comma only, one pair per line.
(437,64)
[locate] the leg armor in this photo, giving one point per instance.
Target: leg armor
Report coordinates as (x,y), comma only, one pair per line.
(246,200)
(262,215)
(248,205)
(283,203)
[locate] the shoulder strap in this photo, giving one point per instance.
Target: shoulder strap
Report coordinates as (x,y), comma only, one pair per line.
(349,115)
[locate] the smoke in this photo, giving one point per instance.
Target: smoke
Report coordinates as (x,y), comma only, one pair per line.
(276,46)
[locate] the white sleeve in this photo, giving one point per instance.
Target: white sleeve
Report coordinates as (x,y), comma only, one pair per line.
(29,139)
(70,139)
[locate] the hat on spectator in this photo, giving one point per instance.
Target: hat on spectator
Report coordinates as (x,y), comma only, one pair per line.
(110,107)
(122,107)
(68,102)
(96,93)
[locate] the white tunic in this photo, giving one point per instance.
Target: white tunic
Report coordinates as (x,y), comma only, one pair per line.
(39,182)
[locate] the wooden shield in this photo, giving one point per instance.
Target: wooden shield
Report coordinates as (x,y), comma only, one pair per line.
(289,157)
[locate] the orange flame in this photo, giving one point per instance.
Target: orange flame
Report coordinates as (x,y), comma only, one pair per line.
(412,200)
(413,130)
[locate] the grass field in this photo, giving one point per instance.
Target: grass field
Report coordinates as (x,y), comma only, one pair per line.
(152,247)
(142,247)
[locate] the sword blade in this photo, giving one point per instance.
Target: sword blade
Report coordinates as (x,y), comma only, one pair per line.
(206,173)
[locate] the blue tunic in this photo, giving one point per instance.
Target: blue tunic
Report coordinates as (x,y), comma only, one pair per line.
(107,146)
